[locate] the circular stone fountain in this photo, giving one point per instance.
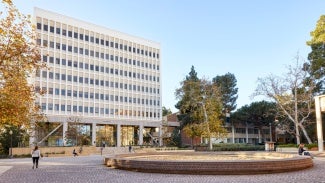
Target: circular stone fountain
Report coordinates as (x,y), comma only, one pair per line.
(210,163)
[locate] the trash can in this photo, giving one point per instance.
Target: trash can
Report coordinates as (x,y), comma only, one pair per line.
(269,146)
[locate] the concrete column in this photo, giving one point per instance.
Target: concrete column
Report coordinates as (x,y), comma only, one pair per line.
(319,122)
(118,134)
(65,129)
(160,136)
(140,135)
(93,135)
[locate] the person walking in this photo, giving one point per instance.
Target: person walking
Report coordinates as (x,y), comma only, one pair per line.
(36,154)
(74,153)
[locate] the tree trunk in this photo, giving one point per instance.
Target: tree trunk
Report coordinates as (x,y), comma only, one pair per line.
(210,144)
(297,133)
(305,134)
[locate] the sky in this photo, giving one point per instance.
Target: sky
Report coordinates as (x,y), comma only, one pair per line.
(250,39)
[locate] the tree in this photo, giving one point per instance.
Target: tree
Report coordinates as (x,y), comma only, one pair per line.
(317,55)
(227,86)
(293,96)
(259,114)
(193,130)
(19,57)
(17,138)
(166,111)
(184,94)
(200,103)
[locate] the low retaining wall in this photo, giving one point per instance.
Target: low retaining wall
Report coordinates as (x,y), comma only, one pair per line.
(208,167)
(55,151)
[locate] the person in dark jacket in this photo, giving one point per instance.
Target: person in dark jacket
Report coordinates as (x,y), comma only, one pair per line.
(302,151)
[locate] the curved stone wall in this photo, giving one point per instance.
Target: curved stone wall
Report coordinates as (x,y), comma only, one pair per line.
(167,163)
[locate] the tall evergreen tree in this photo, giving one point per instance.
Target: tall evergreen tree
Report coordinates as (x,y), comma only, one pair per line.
(227,86)
(182,105)
(317,55)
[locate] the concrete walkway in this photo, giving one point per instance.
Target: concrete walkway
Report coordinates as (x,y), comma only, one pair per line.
(91,169)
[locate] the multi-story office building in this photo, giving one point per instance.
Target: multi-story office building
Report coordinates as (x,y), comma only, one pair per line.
(107,82)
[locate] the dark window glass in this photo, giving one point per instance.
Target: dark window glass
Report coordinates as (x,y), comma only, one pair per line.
(81,36)
(52,29)
(39,26)
(70,33)
(58,31)
(75,35)
(64,32)
(45,27)
(86,37)
(97,40)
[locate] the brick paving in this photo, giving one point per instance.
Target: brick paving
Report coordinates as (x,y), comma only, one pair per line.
(91,169)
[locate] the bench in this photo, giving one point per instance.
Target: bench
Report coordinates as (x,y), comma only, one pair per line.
(287,149)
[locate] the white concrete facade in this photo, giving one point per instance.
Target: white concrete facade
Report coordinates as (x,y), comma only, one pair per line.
(97,75)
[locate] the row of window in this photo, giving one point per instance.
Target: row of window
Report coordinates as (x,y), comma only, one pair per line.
(96,40)
(97,54)
(97,110)
(98,68)
(98,96)
(86,80)
(243,130)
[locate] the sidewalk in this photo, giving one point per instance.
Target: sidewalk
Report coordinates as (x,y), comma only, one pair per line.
(91,169)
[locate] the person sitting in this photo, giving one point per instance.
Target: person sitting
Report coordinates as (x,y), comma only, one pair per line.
(302,151)
(74,152)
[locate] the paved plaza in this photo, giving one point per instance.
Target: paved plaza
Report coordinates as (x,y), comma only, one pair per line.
(91,169)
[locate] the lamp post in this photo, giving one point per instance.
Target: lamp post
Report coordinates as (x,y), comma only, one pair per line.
(10,132)
(270,132)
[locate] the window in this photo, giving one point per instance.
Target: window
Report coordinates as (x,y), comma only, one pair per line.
(63,92)
(58,31)
(56,107)
(64,47)
(45,27)
(62,107)
(39,26)
(52,29)
(64,32)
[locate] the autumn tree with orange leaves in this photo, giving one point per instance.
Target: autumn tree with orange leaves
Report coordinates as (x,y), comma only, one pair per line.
(19,57)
